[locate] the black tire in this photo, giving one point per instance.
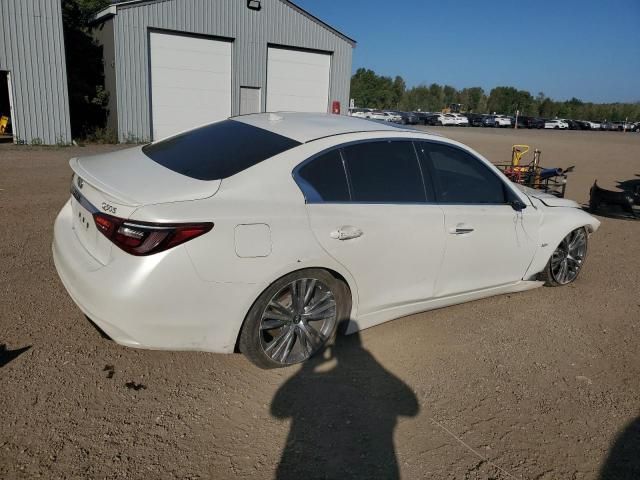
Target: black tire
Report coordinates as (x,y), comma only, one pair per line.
(250,340)
(548,276)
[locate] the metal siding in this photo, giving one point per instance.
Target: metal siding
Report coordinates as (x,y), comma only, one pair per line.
(32,49)
(252,31)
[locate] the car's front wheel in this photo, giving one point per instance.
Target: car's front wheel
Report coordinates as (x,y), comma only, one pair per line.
(567,260)
(294,318)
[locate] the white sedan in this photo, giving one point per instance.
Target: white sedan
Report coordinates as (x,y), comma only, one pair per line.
(383,116)
(446,119)
(502,121)
(266,232)
(556,124)
(460,120)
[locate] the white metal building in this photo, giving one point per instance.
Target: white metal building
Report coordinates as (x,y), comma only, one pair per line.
(175,64)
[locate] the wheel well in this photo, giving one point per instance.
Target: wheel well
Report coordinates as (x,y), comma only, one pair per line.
(333,273)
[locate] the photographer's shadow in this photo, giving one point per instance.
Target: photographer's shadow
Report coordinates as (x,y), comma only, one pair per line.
(623,460)
(344,407)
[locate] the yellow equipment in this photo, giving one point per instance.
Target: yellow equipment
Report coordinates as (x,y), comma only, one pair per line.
(4,121)
(453,108)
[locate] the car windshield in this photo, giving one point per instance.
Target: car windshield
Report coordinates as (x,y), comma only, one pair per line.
(218,150)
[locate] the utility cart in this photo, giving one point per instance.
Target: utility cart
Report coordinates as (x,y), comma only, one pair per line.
(549,180)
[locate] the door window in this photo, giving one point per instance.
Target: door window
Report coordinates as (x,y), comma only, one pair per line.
(323,179)
(459,177)
(384,172)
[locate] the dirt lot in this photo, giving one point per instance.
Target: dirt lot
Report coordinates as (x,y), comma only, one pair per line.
(538,385)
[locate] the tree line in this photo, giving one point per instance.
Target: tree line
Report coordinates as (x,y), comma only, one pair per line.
(375,91)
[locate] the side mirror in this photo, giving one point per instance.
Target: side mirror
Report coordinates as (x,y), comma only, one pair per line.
(518,205)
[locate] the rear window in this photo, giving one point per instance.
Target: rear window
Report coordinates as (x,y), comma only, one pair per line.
(218,150)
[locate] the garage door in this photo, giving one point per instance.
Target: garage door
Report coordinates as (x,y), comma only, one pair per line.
(297,81)
(190,82)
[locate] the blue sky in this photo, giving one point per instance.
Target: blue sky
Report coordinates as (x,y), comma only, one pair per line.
(589,49)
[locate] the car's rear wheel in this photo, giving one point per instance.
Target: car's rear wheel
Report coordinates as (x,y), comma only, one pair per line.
(567,260)
(294,318)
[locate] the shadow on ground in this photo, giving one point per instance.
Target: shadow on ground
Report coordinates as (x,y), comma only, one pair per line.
(7,356)
(344,407)
(623,461)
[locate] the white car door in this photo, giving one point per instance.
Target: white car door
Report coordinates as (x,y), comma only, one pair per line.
(488,242)
(367,208)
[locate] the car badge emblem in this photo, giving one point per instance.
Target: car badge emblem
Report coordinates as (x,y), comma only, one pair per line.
(80,182)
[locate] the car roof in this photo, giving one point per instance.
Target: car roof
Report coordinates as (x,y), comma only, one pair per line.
(306,127)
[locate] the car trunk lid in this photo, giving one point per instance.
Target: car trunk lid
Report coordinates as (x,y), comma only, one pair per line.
(118,184)
(132,178)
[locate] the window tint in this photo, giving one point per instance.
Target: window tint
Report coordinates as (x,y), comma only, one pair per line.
(461,178)
(324,179)
(218,150)
(384,172)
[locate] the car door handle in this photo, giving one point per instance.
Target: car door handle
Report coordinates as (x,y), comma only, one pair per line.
(346,232)
(461,229)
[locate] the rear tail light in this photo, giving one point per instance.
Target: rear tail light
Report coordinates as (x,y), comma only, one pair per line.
(142,238)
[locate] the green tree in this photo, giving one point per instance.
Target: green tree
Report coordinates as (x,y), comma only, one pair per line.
(399,87)
(474,99)
(450,95)
(371,90)
(507,100)
(85,72)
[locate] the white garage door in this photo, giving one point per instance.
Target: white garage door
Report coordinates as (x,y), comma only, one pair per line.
(297,81)
(190,82)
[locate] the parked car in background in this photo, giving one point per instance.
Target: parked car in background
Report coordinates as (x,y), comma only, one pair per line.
(460,120)
(556,125)
(395,116)
(378,115)
(359,112)
(475,119)
(501,121)
(406,118)
(537,123)
(277,275)
(594,125)
(489,121)
(608,126)
(422,117)
(583,125)
(571,124)
(448,119)
(520,122)
(433,119)
(626,126)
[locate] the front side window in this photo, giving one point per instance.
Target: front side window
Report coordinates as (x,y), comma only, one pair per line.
(384,172)
(459,177)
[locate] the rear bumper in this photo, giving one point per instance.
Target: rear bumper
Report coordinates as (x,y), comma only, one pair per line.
(156,302)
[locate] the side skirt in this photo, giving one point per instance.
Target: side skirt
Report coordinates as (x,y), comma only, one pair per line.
(376,318)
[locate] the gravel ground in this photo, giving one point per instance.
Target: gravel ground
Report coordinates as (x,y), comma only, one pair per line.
(537,385)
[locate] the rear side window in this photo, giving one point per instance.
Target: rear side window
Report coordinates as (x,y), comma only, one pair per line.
(459,177)
(218,150)
(324,178)
(384,172)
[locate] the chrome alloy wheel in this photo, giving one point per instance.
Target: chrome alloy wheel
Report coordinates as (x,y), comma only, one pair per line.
(297,321)
(568,258)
